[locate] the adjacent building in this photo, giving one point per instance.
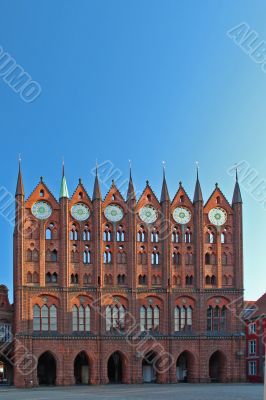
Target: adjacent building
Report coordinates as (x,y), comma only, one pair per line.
(256,338)
(6,342)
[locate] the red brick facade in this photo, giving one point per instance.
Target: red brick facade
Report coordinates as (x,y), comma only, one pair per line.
(157,266)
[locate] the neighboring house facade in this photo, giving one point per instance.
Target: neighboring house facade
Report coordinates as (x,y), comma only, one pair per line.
(126,290)
(6,349)
(256,338)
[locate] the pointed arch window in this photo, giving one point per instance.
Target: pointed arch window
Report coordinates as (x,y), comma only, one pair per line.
(107,256)
(29,277)
(141,235)
(189,280)
(107,234)
(86,235)
(175,235)
(155,257)
(48,234)
(45,318)
(142,279)
(155,236)
(120,234)
(74,254)
(73,233)
(121,279)
(115,317)
(81,318)
(176,257)
(149,318)
(74,279)
(216,319)
(183,318)
(188,236)
(86,256)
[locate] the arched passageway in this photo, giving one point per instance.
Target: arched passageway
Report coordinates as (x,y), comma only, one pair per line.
(115,368)
(82,369)
(46,370)
(185,366)
(6,372)
(217,367)
(150,368)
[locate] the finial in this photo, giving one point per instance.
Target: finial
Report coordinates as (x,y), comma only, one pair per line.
(80,181)
(180,183)
(216,184)
(147,183)
(19,158)
(236,174)
(130,166)
(41,178)
(164,166)
(197,167)
(113,182)
(96,164)
(63,166)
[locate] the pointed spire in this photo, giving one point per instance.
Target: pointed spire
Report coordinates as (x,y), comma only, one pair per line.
(96,190)
(164,193)
(63,188)
(20,186)
(197,194)
(237,198)
(130,191)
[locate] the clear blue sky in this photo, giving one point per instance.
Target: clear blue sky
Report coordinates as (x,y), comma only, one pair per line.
(142,80)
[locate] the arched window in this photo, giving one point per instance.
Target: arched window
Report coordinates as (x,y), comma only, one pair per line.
(142,280)
(155,257)
(48,277)
(175,236)
(36,318)
(107,235)
(115,317)
(188,236)
(54,255)
(45,318)
(176,257)
(48,234)
(216,319)
(189,280)
(107,256)
(141,236)
(218,200)
(149,318)
(81,318)
(41,193)
(208,280)
(86,236)
(120,234)
(183,318)
(213,280)
(207,258)
(54,278)
(73,233)
(74,279)
(210,237)
(29,277)
(154,236)
(121,279)
(86,256)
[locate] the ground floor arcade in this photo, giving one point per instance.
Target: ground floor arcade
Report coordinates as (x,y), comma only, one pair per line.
(116,360)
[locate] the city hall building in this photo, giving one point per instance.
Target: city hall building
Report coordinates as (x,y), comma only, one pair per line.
(127,290)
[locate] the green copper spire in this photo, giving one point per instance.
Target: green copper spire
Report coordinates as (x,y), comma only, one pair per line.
(63,188)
